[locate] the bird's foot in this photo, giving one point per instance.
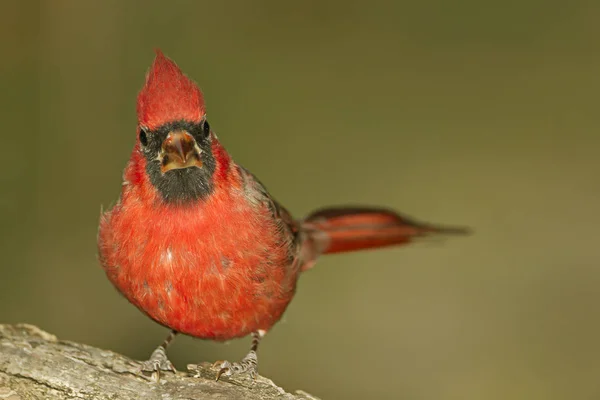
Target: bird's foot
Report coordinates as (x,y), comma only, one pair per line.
(248,365)
(158,362)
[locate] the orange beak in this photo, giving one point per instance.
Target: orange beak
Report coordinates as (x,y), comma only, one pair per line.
(179,150)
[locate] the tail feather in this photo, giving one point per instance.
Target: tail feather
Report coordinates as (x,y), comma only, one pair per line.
(348,229)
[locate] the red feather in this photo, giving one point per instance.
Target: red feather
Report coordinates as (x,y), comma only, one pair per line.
(168,95)
(344,229)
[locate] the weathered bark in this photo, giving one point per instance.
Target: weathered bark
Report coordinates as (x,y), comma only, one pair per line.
(36,365)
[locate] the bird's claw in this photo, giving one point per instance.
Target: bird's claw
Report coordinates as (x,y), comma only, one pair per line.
(247,366)
(223,368)
(158,362)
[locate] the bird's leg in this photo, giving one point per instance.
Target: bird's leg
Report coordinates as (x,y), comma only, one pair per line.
(158,360)
(249,364)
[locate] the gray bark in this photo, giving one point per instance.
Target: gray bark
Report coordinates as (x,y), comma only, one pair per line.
(36,365)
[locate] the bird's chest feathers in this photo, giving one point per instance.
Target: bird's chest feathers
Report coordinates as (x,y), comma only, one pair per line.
(226,244)
(217,271)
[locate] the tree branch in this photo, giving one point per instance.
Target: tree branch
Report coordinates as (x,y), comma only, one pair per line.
(36,365)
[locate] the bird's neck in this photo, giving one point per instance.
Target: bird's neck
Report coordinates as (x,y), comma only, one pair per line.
(225,175)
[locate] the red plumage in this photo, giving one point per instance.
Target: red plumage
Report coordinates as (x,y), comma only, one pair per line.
(205,250)
(168,95)
(358,228)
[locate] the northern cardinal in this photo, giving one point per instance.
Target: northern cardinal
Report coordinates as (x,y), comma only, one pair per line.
(198,244)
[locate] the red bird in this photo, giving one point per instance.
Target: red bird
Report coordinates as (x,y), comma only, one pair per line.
(198,244)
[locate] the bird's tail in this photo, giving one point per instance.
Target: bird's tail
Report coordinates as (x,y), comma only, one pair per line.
(345,229)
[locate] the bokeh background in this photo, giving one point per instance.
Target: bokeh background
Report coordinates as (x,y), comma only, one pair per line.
(483,113)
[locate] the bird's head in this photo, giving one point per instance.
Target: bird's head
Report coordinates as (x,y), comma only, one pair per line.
(174,136)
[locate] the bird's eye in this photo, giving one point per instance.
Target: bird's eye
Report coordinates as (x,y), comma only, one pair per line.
(205,128)
(143,138)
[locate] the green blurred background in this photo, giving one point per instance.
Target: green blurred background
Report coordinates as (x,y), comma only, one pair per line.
(482,113)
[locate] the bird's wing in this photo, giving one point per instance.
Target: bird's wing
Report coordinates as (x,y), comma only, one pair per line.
(289,228)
